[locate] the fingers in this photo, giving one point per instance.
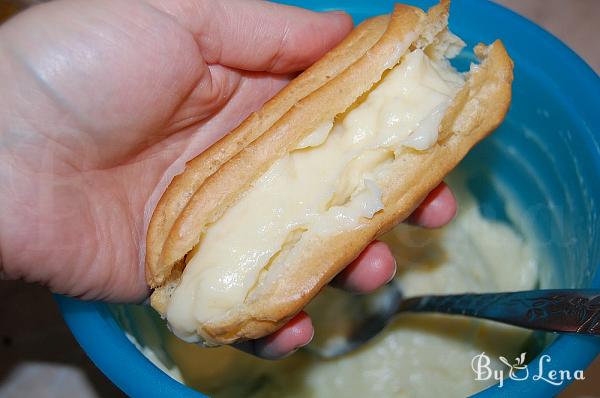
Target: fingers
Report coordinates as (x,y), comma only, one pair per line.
(373,268)
(438,208)
(376,265)
(257,35)
(297,333)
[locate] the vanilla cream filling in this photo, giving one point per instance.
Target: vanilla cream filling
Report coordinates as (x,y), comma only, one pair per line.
(327,184)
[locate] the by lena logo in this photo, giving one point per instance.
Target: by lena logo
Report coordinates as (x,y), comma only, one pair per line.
(481,365)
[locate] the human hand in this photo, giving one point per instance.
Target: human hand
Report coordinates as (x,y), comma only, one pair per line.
(104,101)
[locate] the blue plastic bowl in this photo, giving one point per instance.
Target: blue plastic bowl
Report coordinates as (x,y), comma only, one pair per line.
(547,151)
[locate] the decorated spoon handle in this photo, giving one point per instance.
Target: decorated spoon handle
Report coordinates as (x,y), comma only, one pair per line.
(564,311)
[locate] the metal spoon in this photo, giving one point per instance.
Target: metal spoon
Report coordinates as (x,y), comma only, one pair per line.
(560,311)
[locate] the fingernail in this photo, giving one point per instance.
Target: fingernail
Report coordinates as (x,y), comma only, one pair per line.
(296,348)
(309,340)
(395,270)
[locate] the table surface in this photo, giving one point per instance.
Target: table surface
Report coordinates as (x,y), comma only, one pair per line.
(40,358)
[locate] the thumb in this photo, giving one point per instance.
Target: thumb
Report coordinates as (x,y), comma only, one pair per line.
(258,35)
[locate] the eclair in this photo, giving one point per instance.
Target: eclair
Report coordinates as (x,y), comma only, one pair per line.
(258,223)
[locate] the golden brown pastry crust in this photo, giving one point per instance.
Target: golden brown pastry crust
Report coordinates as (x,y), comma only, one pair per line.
(216,178)
(183,186)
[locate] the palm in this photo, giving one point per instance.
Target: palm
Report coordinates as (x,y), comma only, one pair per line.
(152,104)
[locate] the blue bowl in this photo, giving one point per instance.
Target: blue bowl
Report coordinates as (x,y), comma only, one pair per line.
(547,152)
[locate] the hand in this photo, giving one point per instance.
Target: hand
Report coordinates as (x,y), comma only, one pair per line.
(103,102)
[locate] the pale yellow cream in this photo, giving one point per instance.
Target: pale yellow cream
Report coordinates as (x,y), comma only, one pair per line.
(327,184)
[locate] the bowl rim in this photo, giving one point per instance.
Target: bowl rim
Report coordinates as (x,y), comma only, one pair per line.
(107,346)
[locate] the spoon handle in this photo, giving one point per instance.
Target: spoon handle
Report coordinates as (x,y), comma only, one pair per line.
(564,310)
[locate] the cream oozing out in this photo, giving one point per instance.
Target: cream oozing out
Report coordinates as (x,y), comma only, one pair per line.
(327,184)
